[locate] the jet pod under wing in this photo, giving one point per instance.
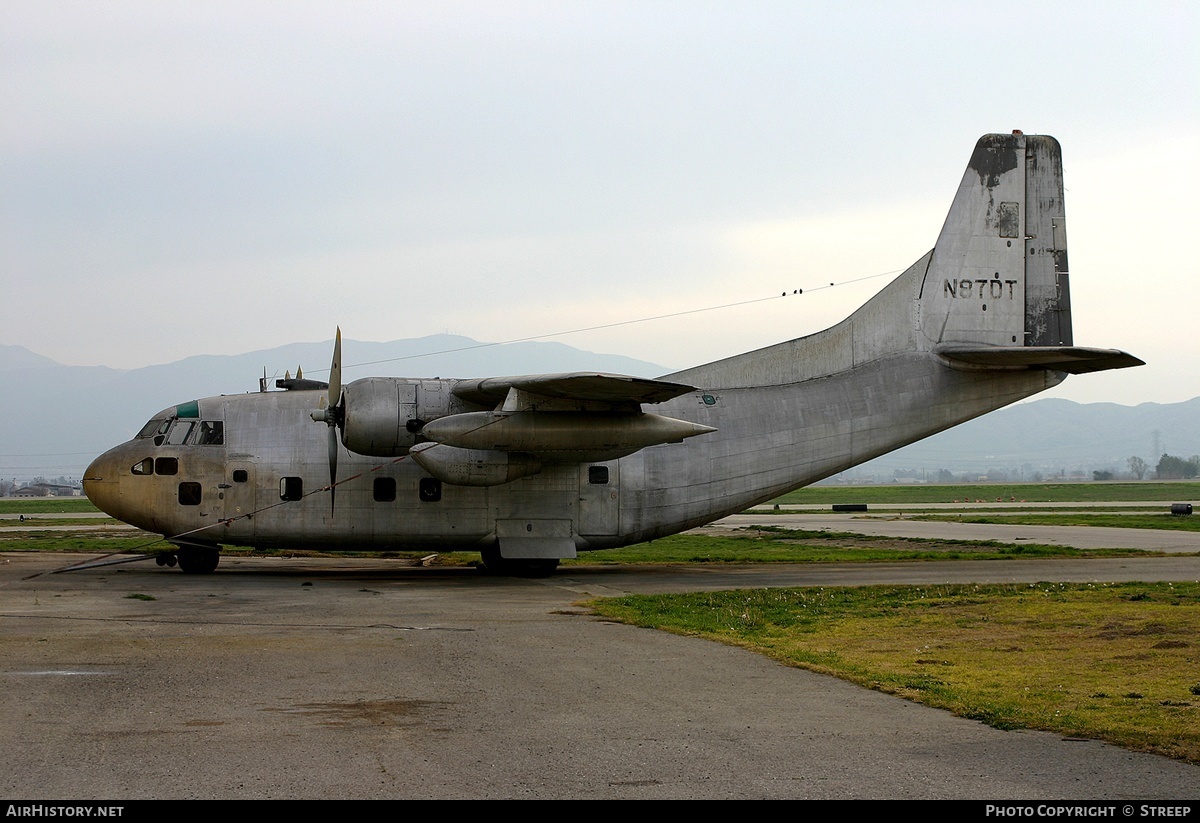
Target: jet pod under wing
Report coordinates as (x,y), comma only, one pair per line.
(560,418)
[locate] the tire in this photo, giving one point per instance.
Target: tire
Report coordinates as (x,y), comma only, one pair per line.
(502,567)
(198,559)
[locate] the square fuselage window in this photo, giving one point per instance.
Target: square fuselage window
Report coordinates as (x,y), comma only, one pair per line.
(430,490)
(189,494)
(291,488)
(385,489)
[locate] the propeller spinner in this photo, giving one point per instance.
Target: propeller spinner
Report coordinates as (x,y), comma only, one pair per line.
(333,414)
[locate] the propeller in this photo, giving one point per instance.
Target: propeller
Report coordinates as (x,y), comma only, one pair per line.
(333,413)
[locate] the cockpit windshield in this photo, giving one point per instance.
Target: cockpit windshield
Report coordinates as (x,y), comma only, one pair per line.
(180,425)
(156,425)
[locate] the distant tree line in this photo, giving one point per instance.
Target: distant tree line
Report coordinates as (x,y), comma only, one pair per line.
(1176,468)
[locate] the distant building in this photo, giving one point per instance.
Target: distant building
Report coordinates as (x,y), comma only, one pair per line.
(47,490)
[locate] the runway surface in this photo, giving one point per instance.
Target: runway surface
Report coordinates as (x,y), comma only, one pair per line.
(352,678)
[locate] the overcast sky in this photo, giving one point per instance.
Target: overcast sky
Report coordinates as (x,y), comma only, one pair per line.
(216,178)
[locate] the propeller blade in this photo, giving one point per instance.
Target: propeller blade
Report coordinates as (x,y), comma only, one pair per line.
(335,396)
(335,371)
(333,451)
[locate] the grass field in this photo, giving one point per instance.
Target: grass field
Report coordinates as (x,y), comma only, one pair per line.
(44,505)
(1115,662)
(751,545)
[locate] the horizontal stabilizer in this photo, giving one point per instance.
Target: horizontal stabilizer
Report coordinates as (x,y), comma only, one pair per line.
(1070,359)
(587,386)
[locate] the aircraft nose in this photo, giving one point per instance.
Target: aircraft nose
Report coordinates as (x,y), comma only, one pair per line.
(100,483)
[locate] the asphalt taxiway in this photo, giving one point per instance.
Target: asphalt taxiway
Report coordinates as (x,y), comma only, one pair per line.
(351,678)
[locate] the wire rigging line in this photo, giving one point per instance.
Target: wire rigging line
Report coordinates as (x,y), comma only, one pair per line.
(618,323)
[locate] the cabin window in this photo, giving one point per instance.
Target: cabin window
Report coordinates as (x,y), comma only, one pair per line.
(385,489)
(291,488)
(598,475)
(179,432)
(143,467)
(211,433)
(189,494)
(166,465)
(240,475)
(430,490)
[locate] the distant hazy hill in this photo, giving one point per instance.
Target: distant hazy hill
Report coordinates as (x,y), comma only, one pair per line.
(1051,437)
(56,417)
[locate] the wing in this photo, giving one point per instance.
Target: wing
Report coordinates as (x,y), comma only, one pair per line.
(581,386)
(549,418)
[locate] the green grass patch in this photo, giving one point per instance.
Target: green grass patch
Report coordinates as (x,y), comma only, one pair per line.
(756,544)
(43,505)
(770,544)
(42,521)
(1179,492)
(1114,662)
(137,542)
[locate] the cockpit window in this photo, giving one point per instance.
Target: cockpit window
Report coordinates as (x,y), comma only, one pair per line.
(143,467)
(155,425)
(179,432)
(211,433)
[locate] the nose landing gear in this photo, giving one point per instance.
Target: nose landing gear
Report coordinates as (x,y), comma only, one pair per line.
(192,559)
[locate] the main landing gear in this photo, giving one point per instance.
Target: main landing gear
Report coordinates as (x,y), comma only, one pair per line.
(524,567)
(191,559)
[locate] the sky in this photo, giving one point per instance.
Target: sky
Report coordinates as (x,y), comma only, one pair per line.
(217,178)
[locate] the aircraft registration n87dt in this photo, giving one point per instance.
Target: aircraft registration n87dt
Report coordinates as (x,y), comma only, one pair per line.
(531,469)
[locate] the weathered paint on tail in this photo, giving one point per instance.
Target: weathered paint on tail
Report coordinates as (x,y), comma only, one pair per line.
(998,274)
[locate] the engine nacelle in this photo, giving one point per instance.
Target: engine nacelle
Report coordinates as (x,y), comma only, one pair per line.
(561,437)
(384,414)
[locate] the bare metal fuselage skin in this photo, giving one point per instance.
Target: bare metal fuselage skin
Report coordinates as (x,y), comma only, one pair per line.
(979,322)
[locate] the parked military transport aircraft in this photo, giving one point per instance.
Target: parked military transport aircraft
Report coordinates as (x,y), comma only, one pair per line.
(531,469)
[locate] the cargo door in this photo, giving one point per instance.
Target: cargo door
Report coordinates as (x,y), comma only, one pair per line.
(599,498)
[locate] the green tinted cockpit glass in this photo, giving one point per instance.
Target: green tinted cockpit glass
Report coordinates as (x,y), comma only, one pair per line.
(191,409)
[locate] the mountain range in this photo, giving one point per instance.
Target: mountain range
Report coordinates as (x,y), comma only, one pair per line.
(58,417)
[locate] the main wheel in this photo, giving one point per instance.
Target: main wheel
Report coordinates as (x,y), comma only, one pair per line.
(198,559)
(524,567)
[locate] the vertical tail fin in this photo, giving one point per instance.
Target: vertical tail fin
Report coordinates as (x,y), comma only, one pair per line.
(997,292)
(998,275)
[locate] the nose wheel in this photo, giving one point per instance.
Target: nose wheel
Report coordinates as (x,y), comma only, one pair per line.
(198,559)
